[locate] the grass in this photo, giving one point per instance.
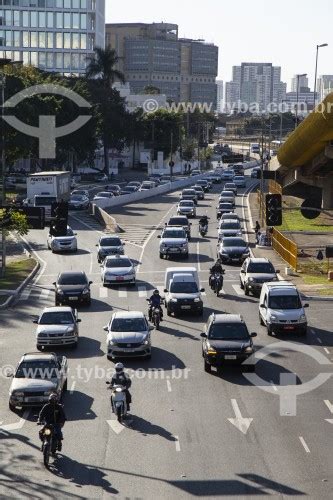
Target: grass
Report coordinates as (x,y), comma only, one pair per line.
(315,273)
(16,272)
(294,221)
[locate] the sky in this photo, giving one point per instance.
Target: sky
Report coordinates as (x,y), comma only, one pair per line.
(284,32)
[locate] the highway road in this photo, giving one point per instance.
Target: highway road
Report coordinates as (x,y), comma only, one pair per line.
(190,434)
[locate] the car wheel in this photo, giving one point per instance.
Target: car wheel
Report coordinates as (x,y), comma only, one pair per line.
(246,290)
(161,255)
(168,312)
(241,284)
(261,320)
(207,367)
(269,331)
(64,389)
(39,347)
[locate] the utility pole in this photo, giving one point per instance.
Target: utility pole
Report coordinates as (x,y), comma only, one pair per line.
(171,157)
(199,165)
(3,168)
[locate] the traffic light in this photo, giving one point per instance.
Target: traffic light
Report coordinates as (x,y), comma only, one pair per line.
(59,218)
(273,210)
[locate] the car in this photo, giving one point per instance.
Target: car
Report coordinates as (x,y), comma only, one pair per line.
(109,245)
(128,335)
(173,242)
(136,184)
(103,195)
(204,184)
(224,208)
(240,181)
(114,189)
(189,194)
(233,250)
(229,228)
(57,326)
(72,287)
(81,192)
(166,178)
(66,243)
(164,182)
(196,171)
(216,177)
(254,272)
(228,175)
(180,221)
(238,168)
(200,192)
(101,178)
(227,197)
(147,185)
(118,269)
(227,340)
(228,216)
(254,172)
(186,207)
(36,376)
(230,186)
(182,291)
(129,190)
(78,202)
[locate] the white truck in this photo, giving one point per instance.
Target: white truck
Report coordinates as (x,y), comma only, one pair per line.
(44,188)
(182,291)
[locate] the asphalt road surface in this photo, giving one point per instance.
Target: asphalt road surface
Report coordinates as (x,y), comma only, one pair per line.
(189,434)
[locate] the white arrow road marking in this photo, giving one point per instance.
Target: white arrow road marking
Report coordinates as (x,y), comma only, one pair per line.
(239,422)
(329,405)
(103,293)
(142,291)
(117,427)
(238,289)
(18,425)
(329,420)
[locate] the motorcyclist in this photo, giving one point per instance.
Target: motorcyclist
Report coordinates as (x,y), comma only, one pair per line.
(203,221)
(217,268)
(53,414)
(155,301)
(121,378)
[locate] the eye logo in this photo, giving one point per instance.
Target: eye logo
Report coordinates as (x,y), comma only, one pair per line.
(47,132)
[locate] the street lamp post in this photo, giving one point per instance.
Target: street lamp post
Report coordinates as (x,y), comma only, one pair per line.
(315,82)
(297,92)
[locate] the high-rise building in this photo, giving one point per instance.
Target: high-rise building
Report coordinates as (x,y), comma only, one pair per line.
(55,35)
(154,55)
(255,86)
(303,84)
(220,87)
(324,86)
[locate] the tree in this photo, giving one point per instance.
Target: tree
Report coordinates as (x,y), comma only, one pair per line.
(151,89)
(102,66)
(14,221)
(163,128)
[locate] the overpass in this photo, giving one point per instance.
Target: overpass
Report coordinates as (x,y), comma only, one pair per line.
(305,160)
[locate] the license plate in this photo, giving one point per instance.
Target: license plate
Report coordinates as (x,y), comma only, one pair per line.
(72,298)
(120,278)
(288,328)
(185,307)
(32,400)
(230,357)
(129,350)
(174,249)
(53,341)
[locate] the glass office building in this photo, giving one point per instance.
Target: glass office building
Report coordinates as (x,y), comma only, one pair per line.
(55,35)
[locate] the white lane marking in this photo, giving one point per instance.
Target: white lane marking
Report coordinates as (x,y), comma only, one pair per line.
(329,405)
(142,291)
(122,294)
(103,292)
(319,340)
(25,294)
(44,264)
(240,422)
(85,224)
(238,289)
(305,446)
(169,385)
(273,385)
(117,427)
(17,425)
(176,438)
(72,387)
(326,350)
(198,256)
(45,293)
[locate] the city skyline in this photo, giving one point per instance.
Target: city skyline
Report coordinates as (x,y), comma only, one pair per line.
(257,38)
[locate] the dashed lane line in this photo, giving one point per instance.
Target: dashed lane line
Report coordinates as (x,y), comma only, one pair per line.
(305,446)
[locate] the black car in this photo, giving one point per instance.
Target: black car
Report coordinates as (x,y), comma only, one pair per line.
(227,340)
(233,250)
(72,288)
(114,189)
(181,221)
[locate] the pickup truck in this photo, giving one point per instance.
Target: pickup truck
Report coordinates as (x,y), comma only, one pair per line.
(36,376)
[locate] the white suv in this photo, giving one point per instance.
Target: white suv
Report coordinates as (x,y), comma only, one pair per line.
(66,243)
(255,272)
(173,242)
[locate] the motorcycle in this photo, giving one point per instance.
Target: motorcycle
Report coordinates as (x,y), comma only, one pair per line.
(216,283)
(49,443)
(155,315)
(118,401)
(203,227)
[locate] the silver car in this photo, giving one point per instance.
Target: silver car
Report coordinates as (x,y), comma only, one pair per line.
(66,243)
(186,207)
(128,335)
(109,245)
(57,326)
(117,269)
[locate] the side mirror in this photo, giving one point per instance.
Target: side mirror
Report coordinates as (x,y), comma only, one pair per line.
(75,234)
(78,320)
(108,383)
(243,271)
(263,306)
(106,328)
(151,328)
(253,334)
(202,290)
(124,243)
(277,271)
(9,374)
(159,236)
(35,321)
(90,282)
(165,290)
(203,335)
(306,306)
(54,283)
(96,245)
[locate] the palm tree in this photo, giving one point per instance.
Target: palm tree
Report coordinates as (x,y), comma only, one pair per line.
(101,66)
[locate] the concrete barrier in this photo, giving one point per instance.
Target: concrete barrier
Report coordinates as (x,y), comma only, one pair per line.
(107,221)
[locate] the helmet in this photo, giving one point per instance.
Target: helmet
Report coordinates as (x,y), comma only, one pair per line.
(119,367)
(156,292)
(53,398)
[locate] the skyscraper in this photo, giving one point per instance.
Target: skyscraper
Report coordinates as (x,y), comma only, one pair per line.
(219,106)
(302,85)
(324,86)
(55,35)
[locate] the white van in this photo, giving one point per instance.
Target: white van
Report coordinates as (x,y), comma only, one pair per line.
(281,309)
(182,292)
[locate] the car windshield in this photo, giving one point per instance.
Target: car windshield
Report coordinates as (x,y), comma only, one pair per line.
(260,267)
(186,204)
(284,302)
(182,221)
(128,325)
(202,183)
(72,279)
(118,263)
(77,197)
(227,193)
(234,242)
(239,178)
(130,188)
(37,369)
(189,192)
(41,201)
(225,206)
(79,193)
(228,331)
(70,232)
(184,287)
(56,318)
(230,225)
(103,195)
(174,234)
(229,186)
(110,242)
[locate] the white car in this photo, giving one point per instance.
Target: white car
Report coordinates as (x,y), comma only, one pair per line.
(187,207)
(57,326)
(117,269)
(228,228)
(230,186)
(227,197)
(233,217)
(103,195)
(81,192)
(78,202)
(147,185)
(128,335)
(173,242)
(228,175)
(239,180)
(67,243)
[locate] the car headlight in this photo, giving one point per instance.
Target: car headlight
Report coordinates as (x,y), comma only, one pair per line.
(85,291)
(18,394)
(273,317)
(302,318)
(174,300)
(48,393)
(69,332)
(248,350)
(197,300)
(251,280)
(60,292)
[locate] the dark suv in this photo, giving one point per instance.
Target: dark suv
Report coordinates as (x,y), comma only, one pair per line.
(72,288)
(226,340)
(181,221)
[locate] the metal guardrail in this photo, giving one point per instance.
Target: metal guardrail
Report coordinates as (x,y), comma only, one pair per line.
(274,187)
(286,248)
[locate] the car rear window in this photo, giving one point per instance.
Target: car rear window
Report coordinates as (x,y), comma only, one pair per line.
(260,267)
(110,242)
(72,279)
(180,221)
(174,234)
(228,331)
(234,242)
(118,263)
